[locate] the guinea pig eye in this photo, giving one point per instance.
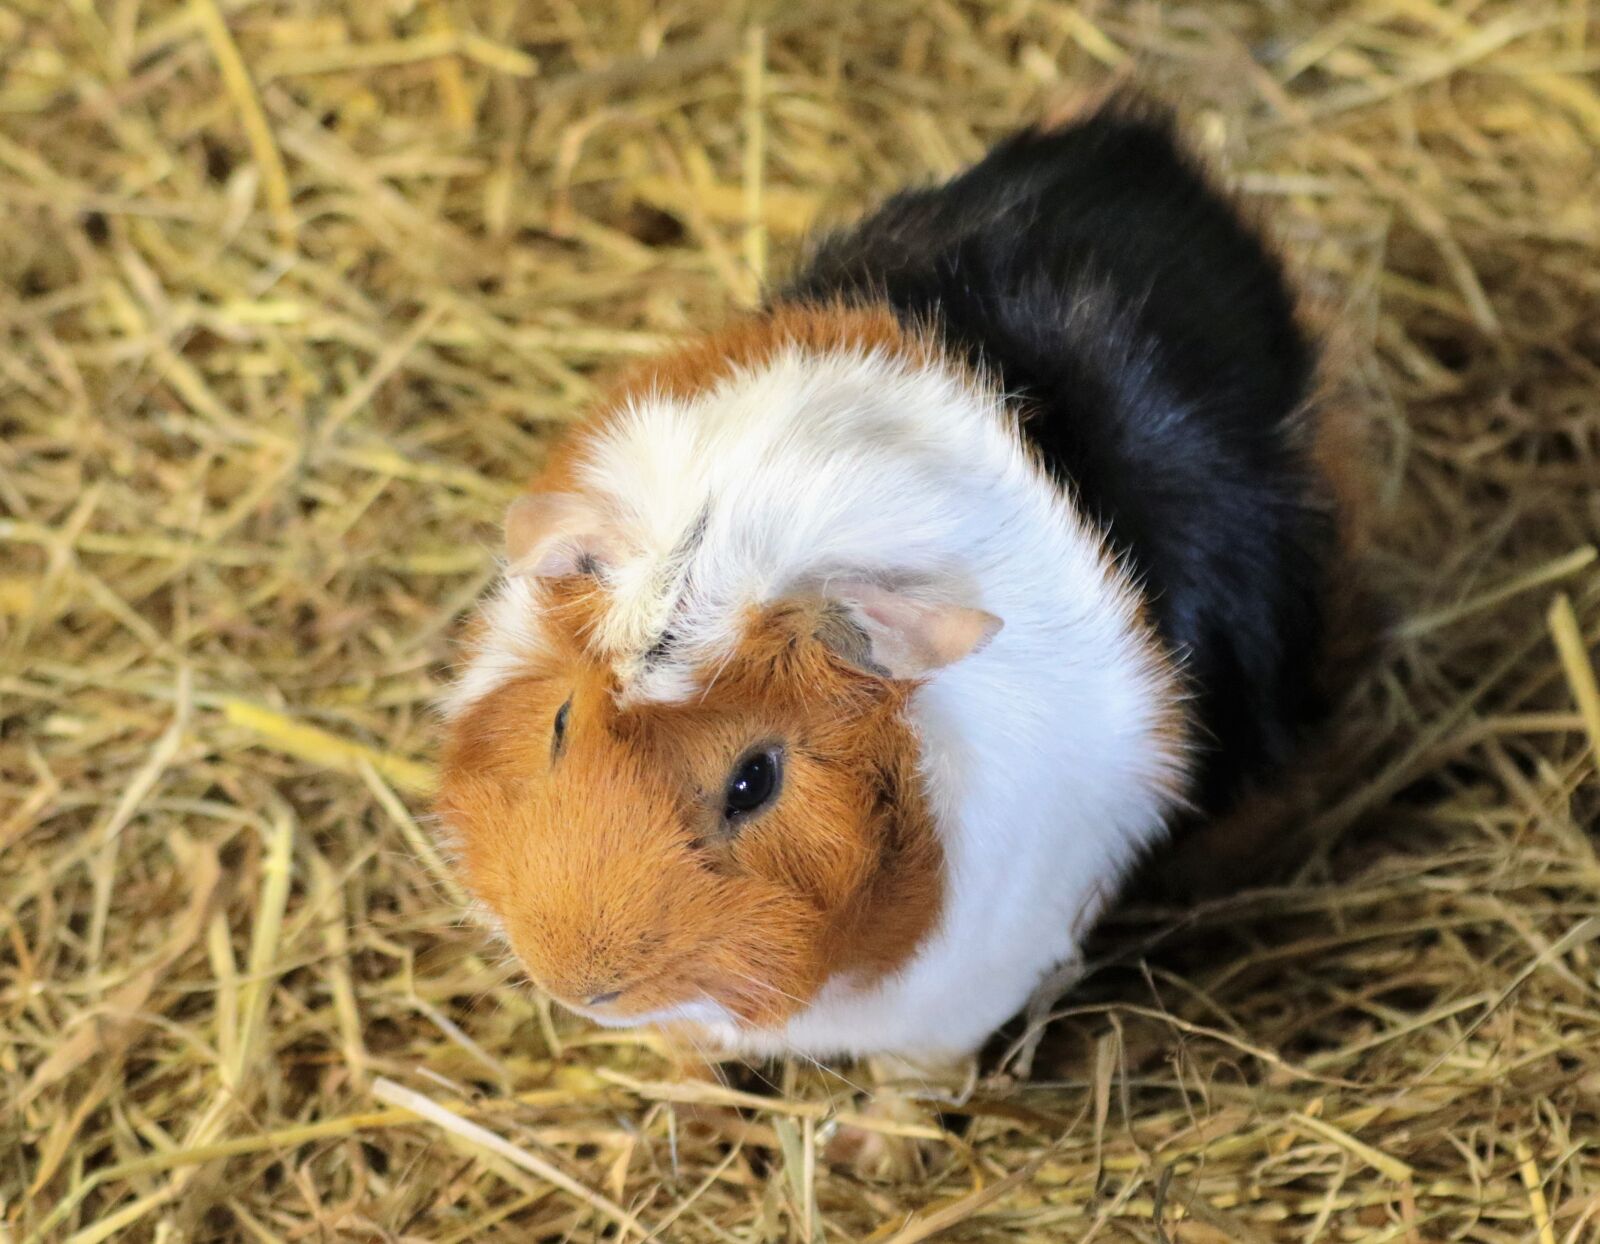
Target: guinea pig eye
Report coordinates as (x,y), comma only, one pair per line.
(753,784)
(558,734)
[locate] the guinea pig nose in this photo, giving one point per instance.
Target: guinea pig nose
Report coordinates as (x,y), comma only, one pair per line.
(600,999)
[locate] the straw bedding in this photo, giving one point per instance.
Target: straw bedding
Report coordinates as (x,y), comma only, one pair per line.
(293,294)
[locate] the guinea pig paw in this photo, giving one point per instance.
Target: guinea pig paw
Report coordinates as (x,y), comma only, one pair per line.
(894,1138)
(897,1133)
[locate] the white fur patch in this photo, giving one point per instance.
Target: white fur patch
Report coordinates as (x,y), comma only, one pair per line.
(512,636)
(1045,761)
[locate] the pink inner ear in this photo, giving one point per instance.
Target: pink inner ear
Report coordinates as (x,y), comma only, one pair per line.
(551,534)
(911,638)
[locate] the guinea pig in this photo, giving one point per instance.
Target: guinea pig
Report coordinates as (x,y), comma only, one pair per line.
(847,659)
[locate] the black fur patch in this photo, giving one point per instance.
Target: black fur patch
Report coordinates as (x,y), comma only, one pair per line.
(1153,348)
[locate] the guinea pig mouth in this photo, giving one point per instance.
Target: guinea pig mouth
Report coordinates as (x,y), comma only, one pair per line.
(701,1010)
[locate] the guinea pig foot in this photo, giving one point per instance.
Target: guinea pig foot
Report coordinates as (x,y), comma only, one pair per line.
(896,1134)
(893,1138)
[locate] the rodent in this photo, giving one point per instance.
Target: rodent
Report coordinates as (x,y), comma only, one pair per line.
(847,659)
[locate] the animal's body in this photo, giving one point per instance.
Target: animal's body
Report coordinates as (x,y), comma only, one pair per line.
(848,659)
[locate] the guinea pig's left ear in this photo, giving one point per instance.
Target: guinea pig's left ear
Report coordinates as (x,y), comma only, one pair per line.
(896,635)
(552,534)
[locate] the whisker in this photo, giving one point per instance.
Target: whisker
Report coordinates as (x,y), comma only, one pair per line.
(869,1094)
(770,988)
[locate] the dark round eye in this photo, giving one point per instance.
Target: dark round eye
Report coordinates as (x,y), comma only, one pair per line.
(752,785)
(558,735)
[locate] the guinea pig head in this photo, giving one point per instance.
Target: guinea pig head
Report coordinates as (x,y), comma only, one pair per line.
(715,859)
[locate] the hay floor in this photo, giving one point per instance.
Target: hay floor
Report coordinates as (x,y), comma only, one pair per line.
(292,295)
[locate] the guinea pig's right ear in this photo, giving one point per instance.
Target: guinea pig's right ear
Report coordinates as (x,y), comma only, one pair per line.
(553,534)
(894,634)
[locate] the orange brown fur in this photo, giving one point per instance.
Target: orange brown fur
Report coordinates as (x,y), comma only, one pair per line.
(695,368)
(748,342)
(611,866)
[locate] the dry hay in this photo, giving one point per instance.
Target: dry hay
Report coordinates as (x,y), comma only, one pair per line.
(293,294)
